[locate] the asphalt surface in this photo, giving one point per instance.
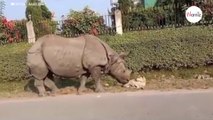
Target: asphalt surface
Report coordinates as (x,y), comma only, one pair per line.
(147,105)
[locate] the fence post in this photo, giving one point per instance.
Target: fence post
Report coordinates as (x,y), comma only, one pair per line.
(118,22)
(30,31)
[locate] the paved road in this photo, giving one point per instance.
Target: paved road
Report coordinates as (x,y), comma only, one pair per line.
(149,105)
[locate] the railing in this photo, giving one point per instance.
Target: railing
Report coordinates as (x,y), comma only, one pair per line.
(161,17)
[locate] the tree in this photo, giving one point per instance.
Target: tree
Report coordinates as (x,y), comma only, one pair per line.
(41,17)
(38,10)
(46,14)
(2,6)
(125,5)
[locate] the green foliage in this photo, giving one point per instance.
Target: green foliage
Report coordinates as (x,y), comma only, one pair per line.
(207,9)
(44,27)
(166,49)
(41,17)
(1,24)
(13,62)
(166,12)
(21,27)
(182,5)
(46,14)
(35,12)
(38,10)
(146,17)
(164,2)
(85,21)
(125,5)
(169,49)
(10,89)
(10,31)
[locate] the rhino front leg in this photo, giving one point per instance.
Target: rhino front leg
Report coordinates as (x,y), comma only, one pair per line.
(82,87)
(39,84)
(96,75)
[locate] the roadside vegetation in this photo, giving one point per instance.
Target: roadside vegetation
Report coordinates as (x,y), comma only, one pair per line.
(168,54)
(180,60)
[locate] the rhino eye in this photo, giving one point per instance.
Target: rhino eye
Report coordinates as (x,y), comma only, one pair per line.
(124,71)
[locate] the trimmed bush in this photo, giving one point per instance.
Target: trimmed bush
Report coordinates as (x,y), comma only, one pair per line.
(13,62)
(166,49)
(155,49)
(80,22)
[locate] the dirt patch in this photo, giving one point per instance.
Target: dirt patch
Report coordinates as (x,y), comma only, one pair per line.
(70,87)
(170,84)
(162,84)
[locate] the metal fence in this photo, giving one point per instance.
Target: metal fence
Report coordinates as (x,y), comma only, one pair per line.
(162,17)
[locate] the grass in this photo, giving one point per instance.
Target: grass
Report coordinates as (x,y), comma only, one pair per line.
(14,48)
(10,89)
(156,80)
(180,73)
(179,79)
(13,61)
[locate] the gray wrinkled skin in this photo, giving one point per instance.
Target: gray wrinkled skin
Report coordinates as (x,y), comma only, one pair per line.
(81,57)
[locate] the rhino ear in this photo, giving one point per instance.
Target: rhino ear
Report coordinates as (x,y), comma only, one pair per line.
(123,55)
(113,58)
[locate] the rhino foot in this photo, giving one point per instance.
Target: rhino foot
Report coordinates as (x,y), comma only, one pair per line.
(99,89)
(55,91)
(47,93)
(42,95)
(82,90)
(52,93)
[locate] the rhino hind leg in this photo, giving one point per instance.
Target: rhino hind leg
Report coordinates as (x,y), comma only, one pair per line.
(48,82)
(39,81)
(96,75)
(82,88)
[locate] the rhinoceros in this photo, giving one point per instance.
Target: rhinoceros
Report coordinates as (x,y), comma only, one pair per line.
(78,57)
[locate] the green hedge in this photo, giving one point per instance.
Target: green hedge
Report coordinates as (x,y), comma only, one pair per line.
(154,49)
(166,48)
(13,62)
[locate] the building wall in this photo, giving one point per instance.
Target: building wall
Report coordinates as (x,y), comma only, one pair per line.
(136,1)
(146,3)
(149,3)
